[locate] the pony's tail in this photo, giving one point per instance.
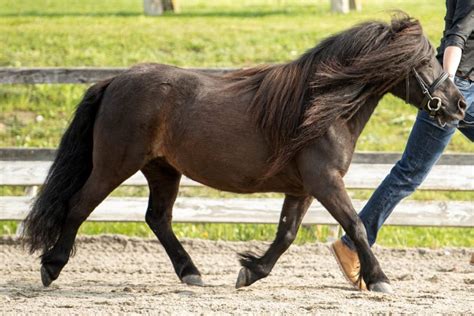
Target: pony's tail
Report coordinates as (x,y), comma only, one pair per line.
(68,173)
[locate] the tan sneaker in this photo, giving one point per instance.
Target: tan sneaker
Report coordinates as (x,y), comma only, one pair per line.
(349,264)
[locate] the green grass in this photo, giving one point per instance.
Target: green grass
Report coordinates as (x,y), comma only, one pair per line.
(391,236)
(221,33)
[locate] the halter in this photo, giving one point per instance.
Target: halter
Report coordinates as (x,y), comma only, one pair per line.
(431,104)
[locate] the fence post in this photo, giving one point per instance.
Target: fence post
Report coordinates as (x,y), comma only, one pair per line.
(340,6)
(171,5)
(355,5)
(153,7)
(344,6)
(157,7)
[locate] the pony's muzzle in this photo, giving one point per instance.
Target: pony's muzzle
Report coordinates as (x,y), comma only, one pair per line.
(462,106)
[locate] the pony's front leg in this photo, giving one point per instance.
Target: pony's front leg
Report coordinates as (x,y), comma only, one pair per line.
(255,268)
(327,186)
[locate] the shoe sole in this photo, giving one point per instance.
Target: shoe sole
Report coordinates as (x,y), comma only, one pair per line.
(339,264)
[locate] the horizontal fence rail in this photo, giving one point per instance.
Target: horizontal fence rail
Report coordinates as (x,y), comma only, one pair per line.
(71,75)
(255,211)
(359,176)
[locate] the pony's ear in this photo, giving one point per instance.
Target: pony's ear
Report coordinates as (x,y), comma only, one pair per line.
(402,22)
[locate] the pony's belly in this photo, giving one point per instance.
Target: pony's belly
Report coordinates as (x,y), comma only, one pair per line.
(224,184)
(222,177)
(224,163)
(270,185)
(243,179)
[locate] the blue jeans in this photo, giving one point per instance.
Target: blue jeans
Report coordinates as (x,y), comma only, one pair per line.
(425,145)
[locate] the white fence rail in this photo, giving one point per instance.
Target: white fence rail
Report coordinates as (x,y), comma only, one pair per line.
(28,167)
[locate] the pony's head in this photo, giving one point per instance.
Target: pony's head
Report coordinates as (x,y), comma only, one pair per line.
(428,88)
(425,84)
(374,58)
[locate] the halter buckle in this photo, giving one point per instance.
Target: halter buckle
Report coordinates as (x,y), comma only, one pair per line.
(436,107)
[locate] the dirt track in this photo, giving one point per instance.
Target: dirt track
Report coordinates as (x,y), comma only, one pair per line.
(111,274)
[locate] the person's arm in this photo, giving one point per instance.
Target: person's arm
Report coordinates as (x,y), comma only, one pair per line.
(457,35)
(451,59)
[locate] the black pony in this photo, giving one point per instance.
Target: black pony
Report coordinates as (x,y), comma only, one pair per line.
(288,128)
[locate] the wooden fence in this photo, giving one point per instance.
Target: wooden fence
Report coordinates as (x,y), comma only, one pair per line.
(52,75)
(28,168)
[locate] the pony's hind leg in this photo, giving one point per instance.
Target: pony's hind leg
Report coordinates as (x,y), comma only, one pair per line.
(163,181)
(255,268)
(94,191)
(106,175)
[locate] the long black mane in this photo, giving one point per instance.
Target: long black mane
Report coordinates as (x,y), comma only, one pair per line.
(295,103)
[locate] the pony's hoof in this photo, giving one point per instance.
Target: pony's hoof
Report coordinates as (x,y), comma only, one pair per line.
(193,279)
(246,277)
(45,277)
(381,287)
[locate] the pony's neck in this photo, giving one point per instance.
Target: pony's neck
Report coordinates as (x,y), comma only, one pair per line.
(359,120)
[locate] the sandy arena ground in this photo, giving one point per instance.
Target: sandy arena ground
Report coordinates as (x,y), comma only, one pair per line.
(118,275)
